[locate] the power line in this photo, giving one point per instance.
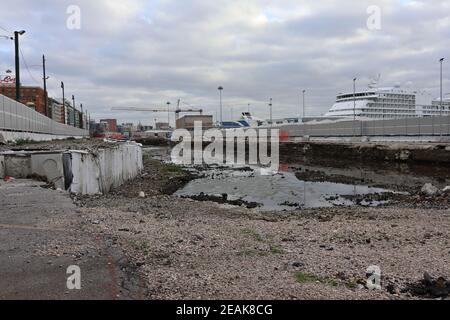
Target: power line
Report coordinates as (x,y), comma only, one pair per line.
(26,66)
(5,30)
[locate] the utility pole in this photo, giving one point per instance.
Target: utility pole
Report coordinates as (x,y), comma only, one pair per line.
(270,108)
(63,104)
(16,47)
(45,88)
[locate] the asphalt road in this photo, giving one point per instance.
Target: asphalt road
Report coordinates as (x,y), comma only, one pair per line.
(27,273)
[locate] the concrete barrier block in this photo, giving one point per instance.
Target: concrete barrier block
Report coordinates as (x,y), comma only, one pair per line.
(18,166)
(2,167)
(50,166)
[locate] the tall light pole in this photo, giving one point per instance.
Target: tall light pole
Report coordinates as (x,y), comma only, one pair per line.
(248,108)
(168,114)
(63,103)
(81,116)
(303,92)
(440,101)
(270,108)
(74,115)
(16,47)
(354,99)
(220,94)
(45,87)
(354,105)
(441,61)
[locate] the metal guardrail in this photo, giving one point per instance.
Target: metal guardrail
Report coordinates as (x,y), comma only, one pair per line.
(15,116)
(424,126)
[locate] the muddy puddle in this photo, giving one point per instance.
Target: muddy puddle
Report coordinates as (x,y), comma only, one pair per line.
(293,188)
(275,191)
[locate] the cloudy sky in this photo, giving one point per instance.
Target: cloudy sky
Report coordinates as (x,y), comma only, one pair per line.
(144,53)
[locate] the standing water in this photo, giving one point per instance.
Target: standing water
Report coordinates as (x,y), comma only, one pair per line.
(268,190)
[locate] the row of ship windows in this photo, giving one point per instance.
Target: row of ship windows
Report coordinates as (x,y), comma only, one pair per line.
(380,116)
(385,100)
(390,111)
(399,96)
(388,95)
(437,107)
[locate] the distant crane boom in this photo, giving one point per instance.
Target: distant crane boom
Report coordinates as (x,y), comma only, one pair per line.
(177,111)
(137,109)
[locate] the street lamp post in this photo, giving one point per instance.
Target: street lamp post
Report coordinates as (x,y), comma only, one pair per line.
(354,105)
(220,94)
(440,101)
(270,108)
(63,103)
(354,99)
(45,78)
(74,113)
(16,47)
(441,61)
(81,116)
(303,92)
(168,114)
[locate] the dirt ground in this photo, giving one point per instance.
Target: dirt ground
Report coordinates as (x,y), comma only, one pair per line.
(186,249)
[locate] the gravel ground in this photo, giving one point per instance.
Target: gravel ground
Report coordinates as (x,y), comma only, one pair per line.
(186,249)
(189,250)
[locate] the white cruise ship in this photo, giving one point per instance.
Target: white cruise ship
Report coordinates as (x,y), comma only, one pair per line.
(383,103)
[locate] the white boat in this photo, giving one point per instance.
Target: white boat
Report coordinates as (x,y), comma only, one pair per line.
(384,103)
(246,120)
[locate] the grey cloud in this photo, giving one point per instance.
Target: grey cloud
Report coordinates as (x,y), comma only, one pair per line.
(144,53)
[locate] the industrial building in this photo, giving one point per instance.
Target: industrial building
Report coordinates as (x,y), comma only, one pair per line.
(187,122)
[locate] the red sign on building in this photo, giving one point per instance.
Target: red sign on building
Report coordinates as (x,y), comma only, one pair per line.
(7,80)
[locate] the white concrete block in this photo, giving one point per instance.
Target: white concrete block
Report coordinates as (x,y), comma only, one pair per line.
(2,167)
(108,168)
(18,166)
(49,165)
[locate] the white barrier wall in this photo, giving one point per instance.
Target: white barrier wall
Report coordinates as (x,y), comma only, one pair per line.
(425,126)
(84,172)
(106,169)
(18,117)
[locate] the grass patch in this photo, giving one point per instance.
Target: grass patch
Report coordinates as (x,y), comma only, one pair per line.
(251,253)
(351,284)
(253,234)
(171,168)
(141,246)
(276,249)
(303,277)
(21,142)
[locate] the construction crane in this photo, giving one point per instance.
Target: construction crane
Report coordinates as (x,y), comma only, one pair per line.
(177,111)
